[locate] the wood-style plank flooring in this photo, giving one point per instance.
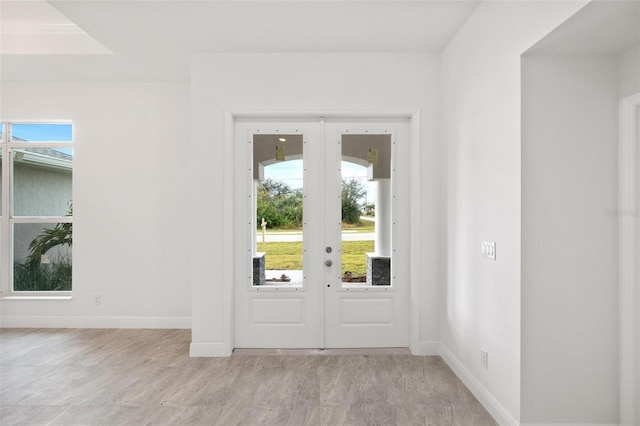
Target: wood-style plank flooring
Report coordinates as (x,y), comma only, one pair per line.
(141,377)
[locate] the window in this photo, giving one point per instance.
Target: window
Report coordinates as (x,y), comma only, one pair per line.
(36,165)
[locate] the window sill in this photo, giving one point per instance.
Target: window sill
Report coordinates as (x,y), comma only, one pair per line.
(36,298)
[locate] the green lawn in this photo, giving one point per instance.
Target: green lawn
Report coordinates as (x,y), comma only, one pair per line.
(363,227)
(289,256)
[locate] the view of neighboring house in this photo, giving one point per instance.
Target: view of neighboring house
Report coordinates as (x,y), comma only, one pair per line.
(42,187)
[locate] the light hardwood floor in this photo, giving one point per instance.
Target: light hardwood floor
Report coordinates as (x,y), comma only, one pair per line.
(140,377)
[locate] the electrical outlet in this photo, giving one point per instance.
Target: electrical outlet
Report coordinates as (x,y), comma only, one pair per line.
(97,299)
(484,359)
(489,250)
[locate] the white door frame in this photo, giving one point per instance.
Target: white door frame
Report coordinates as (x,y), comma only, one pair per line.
(228,184)
(629,291)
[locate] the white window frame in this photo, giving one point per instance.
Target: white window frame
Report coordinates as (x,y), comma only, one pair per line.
(7,219)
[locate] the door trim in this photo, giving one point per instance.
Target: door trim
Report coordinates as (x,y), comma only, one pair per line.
(629,291)
(230,117)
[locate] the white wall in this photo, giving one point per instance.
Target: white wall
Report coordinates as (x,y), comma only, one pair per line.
(481,129)
(629,72)
(130,203)
(341,82)
(569,239)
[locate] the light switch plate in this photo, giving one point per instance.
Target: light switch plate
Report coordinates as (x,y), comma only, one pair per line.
(489,250)
(484,359)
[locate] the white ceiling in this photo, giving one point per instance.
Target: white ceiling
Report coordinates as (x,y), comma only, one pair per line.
(35,27)
(600,28)
(153,40)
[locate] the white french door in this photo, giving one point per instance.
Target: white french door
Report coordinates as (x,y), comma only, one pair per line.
(317,275)
(374,313)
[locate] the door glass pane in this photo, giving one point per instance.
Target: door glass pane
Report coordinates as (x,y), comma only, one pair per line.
(42,256)
(41,132)
(42,181)
(366,210)
(278,215)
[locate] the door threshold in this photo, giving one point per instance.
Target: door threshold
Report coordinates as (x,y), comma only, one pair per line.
(336,351)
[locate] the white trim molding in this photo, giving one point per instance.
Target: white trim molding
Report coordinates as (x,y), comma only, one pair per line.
(95,322)
(482,394)
(228,294)
(426,349)
(230,116)
(209,350)
(417,346)
(569,424)
(629,293)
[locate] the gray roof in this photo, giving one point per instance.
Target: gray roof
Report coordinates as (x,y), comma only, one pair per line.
(50,152)
(51,158)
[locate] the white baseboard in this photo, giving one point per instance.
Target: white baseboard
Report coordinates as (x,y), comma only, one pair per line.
(569,424)
(209,350)
(94,322)
(426,349)
(488,401)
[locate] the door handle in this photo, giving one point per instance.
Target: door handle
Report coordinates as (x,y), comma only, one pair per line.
(328,262)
